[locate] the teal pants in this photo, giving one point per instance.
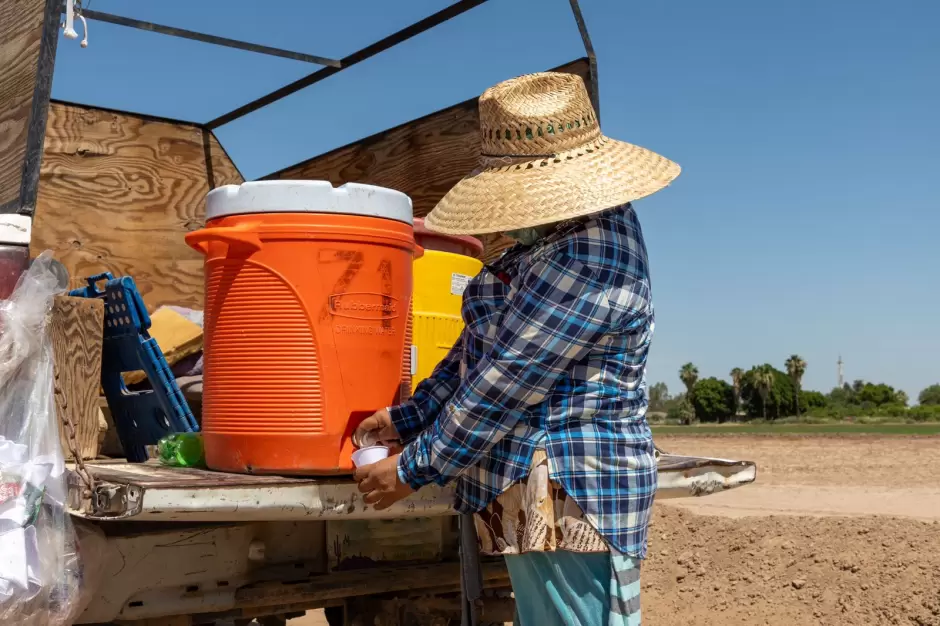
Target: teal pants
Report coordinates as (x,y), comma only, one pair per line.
(574,589)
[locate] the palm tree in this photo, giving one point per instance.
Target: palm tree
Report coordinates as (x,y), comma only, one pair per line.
(796,367)
(737,375)
(764,381)
(688,374)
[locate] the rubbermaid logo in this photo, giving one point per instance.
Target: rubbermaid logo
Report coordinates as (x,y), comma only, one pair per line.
(364,306)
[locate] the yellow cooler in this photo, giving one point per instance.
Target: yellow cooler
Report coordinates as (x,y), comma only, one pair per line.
(440,277)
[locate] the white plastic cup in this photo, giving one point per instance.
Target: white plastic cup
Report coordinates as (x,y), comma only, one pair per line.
(369,455)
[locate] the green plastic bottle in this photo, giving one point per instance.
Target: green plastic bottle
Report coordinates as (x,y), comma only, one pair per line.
(182,450)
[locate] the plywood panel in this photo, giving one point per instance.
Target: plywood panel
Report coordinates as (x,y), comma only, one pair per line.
(77,336)
(493,246)
(423,158)
(223,170)
(118,192)
(21,27)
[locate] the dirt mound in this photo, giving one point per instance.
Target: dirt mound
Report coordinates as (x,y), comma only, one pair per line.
(791,571)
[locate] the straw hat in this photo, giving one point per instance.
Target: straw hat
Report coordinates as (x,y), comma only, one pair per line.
(544,160)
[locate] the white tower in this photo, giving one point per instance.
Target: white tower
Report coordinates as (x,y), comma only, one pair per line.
(841,373)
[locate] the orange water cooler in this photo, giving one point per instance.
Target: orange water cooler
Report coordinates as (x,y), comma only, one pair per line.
(307,324)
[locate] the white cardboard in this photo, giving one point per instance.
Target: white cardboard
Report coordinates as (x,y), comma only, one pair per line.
(15,229)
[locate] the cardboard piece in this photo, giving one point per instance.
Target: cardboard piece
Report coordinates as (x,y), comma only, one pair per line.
(177,336)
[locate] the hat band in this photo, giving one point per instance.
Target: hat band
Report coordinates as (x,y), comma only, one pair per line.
(518,156)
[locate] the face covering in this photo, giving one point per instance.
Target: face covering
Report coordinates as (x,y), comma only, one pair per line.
(525,236)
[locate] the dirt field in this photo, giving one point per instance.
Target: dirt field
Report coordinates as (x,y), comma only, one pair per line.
(837,530)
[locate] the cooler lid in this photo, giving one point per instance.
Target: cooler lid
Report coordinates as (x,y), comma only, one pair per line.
(308,196)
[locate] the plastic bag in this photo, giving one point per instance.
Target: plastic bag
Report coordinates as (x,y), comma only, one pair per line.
(40,567)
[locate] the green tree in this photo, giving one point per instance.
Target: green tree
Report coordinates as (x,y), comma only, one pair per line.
(840,396)
(688,374)
(764,382)
(658,397)
(673,401)
(810,400)
(796,367)
(779,400)
(925,413)
(901,397)
(930,396)
(876,394)
(737,376)
(713,400)
(681,409)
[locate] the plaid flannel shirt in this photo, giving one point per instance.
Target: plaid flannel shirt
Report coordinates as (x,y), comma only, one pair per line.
(553,354)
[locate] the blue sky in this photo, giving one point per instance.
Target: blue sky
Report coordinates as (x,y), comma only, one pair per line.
(808,211)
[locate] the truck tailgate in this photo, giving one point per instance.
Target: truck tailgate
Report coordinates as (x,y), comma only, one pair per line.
(152,492)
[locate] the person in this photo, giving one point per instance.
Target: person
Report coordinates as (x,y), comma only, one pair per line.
(538,413)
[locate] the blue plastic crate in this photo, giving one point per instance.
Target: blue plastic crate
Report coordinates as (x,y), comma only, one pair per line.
(142,418)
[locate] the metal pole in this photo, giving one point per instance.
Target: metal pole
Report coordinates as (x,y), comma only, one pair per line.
(40,107)
(471,576)
(348,61)
(589,50)
(40,18)
(203,37)
(26,77)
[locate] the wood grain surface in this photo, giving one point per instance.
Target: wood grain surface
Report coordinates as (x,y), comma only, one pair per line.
(21,24)
(118,192)
(423,158)
(342,585)
(493,246)
(77,330)
(223,170)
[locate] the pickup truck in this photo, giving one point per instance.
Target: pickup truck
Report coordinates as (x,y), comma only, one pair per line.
(117,191)
(188,546)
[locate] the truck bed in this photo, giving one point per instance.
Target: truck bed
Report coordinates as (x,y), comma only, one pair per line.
(155,493)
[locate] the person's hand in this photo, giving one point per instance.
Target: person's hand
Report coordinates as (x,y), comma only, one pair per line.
(380,484)
(377,429)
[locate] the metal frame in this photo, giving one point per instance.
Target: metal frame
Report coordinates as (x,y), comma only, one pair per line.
(594,87)
(38,115)
(383,133)
(53,12)
(394,39)
(110,18)
(458,8)
(334,66)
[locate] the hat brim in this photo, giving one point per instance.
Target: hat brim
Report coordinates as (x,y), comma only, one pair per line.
(504,197)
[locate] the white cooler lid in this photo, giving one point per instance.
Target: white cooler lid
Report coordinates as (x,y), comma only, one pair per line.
(308,196)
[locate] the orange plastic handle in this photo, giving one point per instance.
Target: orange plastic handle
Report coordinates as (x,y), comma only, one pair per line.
(419,252)
(231,235)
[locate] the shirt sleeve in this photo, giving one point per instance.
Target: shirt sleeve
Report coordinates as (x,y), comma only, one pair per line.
(558,313)
(420,411)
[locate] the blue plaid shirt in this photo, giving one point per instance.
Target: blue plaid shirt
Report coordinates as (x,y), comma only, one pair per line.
(553,354)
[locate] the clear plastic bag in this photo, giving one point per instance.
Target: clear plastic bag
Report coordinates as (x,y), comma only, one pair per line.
(41,575)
